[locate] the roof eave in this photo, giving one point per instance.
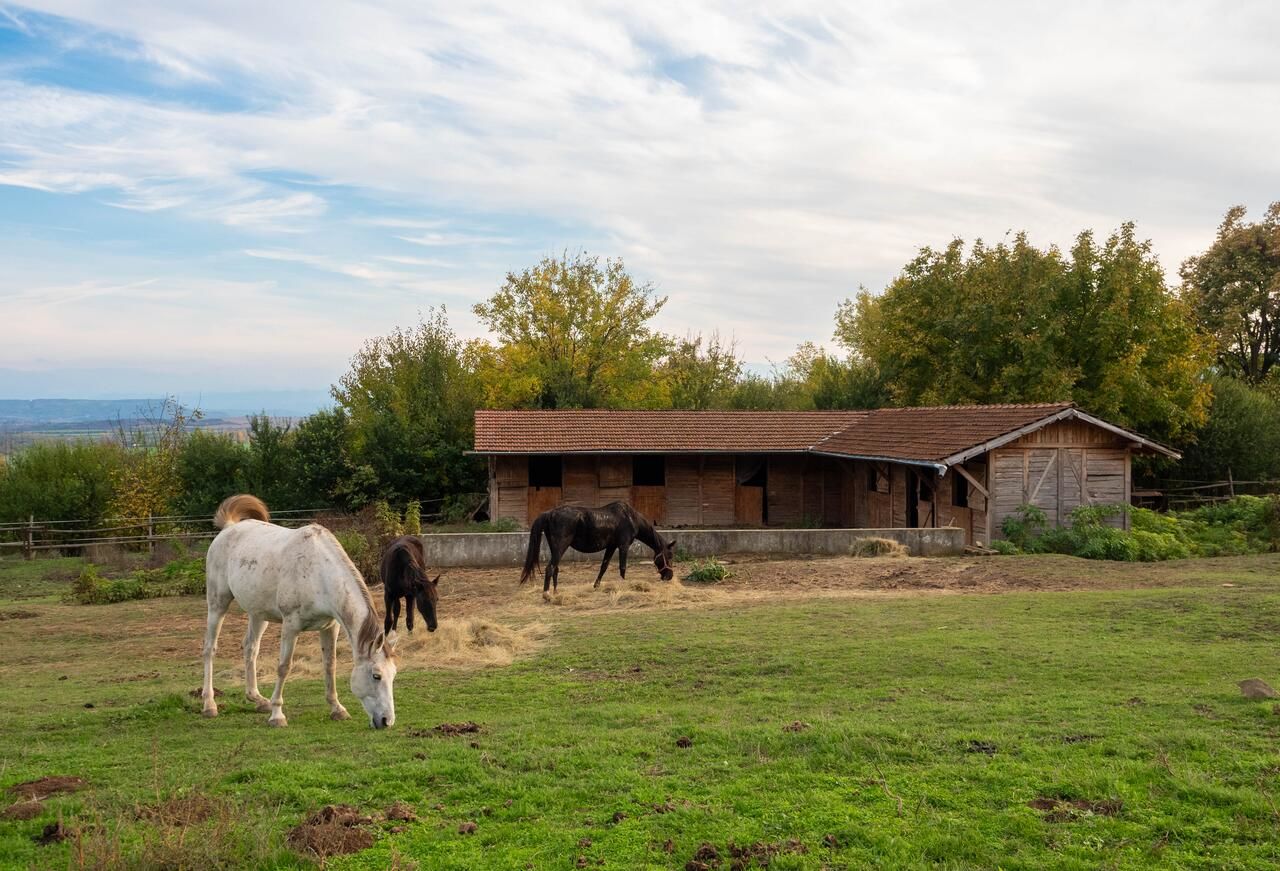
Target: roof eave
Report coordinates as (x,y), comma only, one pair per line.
(1065,414)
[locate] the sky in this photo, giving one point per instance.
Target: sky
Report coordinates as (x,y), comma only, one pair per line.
(233,196)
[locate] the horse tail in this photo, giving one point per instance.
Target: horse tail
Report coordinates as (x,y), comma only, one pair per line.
(533,557)
(242,506)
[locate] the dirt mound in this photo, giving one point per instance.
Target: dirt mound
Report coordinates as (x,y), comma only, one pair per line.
(400,811)
(466,728)
(47,786)
(331,831)
(181,812)
(1064,810)
(23,810)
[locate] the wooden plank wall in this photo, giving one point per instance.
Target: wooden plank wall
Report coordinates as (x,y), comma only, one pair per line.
(719,486)
(508,488)
(972,519)
(615,478)
(786,490)
(580,481)
(1058,468)
(684,493)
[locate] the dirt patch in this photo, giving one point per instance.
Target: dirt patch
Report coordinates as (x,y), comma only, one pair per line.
(795,726)
(18,615)
(54,833)
(1065,810)
(333,830)
(985,747)
(401,812)
(1079,739)
(198,693)
(181,812)
(684,741)
(23,810)
(467,828)
(446,729)
(47,786)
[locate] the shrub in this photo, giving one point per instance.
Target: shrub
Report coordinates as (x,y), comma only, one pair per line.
(353,541)
(1005,548)
(59,481)
(876,547)
(707,570)
(413,518)
(182,577)
(1024,525)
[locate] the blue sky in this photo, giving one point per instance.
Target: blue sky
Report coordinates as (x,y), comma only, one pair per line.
(232,196)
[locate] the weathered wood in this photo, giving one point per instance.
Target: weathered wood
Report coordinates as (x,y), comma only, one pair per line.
(718,491)
(579,484)
(650,501)
(542,499)
(786,490)
(748,507)
(684,491)
(978,485)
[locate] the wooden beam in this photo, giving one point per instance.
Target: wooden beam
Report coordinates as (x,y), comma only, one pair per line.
(972,480)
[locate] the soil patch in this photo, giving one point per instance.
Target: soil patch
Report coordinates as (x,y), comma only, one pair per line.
(333,830)
(53,833)
(23,810)
(1064,810)
(47,786)
(401,812)
(18,615)
(446,729)
(797,726)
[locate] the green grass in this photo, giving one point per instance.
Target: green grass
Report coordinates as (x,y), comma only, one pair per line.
(895,692)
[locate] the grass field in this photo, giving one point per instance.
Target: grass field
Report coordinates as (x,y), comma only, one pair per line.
(1068,715)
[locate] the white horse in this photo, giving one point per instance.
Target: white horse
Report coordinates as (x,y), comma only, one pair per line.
(303,580)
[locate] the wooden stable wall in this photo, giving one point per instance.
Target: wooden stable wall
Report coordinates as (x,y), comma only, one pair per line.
(1058,468)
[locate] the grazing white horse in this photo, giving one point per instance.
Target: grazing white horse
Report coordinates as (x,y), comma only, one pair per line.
(303,580)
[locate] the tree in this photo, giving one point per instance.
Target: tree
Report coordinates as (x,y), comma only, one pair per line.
(699,378)
(325,471)
(1234,290)
(1241,437)
(211,468)
(55,480)
(572,332)
(1013,323)
(410,402)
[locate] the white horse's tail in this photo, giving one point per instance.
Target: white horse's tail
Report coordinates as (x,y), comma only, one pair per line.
(242,506)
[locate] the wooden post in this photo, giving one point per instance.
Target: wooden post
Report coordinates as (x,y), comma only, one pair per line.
(151,534)
(30,550)
(1231,484)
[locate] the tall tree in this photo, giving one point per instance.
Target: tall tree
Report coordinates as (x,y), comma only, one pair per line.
(697,377)
(409,400)
(1013,323)
(1234,290)
(572,332)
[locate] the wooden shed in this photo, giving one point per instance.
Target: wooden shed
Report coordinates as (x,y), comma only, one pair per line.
(967,466)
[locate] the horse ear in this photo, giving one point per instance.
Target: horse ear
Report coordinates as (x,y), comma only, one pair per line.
(671,545)
(435,582)
(392,638)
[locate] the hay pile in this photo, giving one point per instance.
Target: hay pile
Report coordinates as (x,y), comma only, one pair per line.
(877,547)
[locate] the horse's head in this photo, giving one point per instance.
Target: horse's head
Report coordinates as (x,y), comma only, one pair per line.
(372,678)
(425,597)
(664,559)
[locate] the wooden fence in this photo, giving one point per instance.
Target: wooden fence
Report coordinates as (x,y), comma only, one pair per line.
(35,535)
(1176,495)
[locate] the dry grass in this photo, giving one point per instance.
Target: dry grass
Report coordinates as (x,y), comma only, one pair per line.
(877,547)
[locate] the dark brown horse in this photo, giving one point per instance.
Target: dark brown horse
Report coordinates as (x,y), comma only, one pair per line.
(591,530)
(404,576)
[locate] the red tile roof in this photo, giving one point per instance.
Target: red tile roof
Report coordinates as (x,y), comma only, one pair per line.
(922,435)
(601,430)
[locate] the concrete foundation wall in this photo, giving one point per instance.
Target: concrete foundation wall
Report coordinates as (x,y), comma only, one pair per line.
(507,548)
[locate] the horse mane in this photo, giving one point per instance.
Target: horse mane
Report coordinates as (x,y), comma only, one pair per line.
(239,507)
(366,638)
(645,530)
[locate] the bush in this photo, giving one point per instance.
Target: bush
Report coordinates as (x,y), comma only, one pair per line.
(59,481)
(182,577)
(413,518)
(353,541)
(709,570)
(1024,525)
(1005,548)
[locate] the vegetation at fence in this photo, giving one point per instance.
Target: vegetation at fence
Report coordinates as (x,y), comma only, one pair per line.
(181,577)
(1028,730)
(1244,525)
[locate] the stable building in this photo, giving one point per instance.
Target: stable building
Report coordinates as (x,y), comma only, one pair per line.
(967,466)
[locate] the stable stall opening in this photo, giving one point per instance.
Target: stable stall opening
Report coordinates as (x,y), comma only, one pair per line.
(648,470)
(751,508)
(546,478)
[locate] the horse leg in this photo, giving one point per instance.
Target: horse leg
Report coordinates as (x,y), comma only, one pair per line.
(604,565)
(252,641)
(557,553)
(288,635)
(622,558)
(408,610)
(218,606)
(389,604)
(329,653)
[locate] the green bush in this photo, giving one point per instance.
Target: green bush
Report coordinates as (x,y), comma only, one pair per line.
(707,570)
(1024,525)
(59,481)
(413,518)
(355,543)
(1005,548)
(182,577)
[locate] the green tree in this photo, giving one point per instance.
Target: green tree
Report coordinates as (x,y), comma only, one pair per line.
(271,470)
(572,332)
(1013,323)
(324,467)
(1234,290)
(697,377)
(410,399)
(211,468)
(60,481)
(1241,438)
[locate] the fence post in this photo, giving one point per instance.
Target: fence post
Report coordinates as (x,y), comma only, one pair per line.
(1231,484)
(30,550)
(151,534)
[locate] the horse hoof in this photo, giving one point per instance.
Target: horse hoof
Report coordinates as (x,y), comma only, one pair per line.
(210,712)
(277,722)
(263,706)
(340,715)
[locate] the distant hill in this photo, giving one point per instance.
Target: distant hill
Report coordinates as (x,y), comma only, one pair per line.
(16,413)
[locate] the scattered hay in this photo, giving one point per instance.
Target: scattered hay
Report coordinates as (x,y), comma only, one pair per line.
(17,615)
(333,830)
(23,810)
(877,547)
(47,786)
(630,595)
